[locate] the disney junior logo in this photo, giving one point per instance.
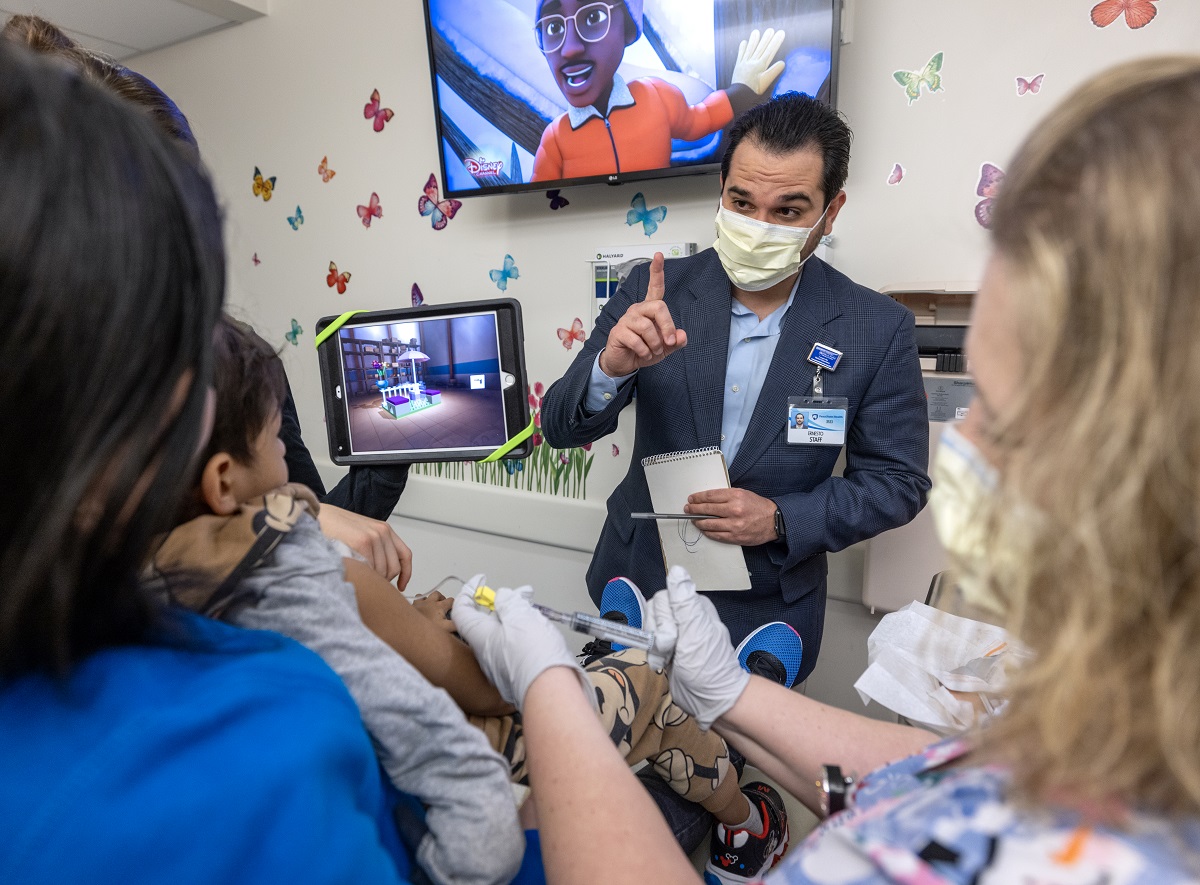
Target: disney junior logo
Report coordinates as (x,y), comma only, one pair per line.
(480,166)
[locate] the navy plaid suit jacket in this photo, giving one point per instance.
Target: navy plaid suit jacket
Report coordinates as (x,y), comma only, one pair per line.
(679,403)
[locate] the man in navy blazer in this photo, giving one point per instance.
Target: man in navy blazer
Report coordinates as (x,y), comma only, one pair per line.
(714,346)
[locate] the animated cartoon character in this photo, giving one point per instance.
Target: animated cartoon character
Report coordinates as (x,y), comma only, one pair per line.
(612,126)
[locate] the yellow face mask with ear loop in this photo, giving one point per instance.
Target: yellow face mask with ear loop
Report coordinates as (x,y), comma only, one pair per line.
(963,484)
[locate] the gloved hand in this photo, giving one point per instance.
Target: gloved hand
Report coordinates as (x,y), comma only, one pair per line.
(514,644)
(753,67)
(705,676)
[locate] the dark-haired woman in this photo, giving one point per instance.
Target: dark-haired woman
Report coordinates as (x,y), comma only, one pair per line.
(137,743)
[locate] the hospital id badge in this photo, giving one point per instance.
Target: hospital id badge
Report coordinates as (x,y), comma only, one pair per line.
(817,420)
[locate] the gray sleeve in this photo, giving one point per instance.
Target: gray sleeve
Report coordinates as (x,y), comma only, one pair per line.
(424,742)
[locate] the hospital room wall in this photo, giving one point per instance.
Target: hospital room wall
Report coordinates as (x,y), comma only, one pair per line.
(286,90)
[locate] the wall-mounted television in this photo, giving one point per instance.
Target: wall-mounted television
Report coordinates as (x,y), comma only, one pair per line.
(541,94)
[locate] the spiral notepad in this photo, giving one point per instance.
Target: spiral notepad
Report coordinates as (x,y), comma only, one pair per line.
(671,478)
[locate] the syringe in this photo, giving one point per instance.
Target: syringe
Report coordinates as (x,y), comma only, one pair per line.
(622,634)
(590,625)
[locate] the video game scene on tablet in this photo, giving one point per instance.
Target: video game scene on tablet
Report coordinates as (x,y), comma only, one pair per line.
(423,385)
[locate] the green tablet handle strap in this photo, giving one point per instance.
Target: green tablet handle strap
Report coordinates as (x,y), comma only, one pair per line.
(334,326)
(511,444)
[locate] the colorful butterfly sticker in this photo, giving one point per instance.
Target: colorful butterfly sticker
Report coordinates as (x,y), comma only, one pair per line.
(440,211)
(568,337)
(897,175)
(990,179)
(418,297)
(324,171)
(616,451)
(557,201)
(1138,13)
(257,261)
(1034,85)
(650,218)
(503,275)
(263,187)
(930,77)
(372,210)
(296,220)
(293,335)
(341,280)
(372,109)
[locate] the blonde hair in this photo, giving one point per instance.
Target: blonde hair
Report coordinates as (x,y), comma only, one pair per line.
(1097,228)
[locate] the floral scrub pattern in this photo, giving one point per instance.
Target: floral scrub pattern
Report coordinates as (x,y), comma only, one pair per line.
(918,823)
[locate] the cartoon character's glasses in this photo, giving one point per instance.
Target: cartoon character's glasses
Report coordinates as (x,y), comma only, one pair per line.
(591,24)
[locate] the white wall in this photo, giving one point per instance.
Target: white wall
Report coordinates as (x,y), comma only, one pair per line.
(284,91)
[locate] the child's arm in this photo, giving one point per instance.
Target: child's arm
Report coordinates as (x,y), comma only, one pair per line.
(440,657)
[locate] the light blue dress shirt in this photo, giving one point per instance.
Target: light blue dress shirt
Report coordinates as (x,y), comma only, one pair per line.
(752,345)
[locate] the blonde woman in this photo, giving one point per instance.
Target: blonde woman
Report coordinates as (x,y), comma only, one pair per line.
(1080,466)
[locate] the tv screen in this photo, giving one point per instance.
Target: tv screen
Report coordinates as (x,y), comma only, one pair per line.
(539,94)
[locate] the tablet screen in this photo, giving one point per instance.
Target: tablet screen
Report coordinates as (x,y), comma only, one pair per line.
(423,385)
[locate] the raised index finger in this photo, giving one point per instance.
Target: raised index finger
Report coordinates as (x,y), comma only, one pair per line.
(656,288)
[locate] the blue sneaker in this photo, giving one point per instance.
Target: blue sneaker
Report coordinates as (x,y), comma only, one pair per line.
(774,651)
(622,602)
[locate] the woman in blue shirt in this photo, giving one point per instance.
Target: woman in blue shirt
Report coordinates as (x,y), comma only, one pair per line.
(137,743)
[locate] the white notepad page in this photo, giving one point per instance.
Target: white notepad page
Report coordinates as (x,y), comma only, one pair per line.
(671,478)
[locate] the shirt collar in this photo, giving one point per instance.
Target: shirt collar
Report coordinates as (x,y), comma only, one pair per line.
(620,97)
(774,320)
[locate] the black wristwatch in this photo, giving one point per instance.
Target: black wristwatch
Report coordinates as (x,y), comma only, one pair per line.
(834,787)
(780,531)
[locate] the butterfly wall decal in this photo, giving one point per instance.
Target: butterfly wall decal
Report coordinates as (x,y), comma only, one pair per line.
(296,220)
(557,201)
(341,280)
(503,275)
(293,335)
(615,450)
(649,218)
(257,261)
(990,179)
(897,175)
(929,76)
(1034,85)
(263,187)
(568,337)
(1138,13)
(418,297)
(371,210)
(324,171)
(512,466)
(439,211)
(380,115)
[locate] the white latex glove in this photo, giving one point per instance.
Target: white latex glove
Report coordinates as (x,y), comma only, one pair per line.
(753,67)
(514,644)
(705,676)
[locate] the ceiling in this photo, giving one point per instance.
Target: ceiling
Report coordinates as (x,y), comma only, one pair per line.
(122,28)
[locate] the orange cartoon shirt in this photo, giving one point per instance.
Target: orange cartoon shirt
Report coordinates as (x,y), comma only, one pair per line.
(642,119)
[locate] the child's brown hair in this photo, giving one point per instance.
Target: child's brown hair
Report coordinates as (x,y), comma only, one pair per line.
(250,384)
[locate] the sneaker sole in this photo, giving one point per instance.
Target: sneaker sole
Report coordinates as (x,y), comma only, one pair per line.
(621,595)
(779,639)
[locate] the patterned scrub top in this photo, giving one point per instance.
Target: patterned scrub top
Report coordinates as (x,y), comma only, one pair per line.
(919,823)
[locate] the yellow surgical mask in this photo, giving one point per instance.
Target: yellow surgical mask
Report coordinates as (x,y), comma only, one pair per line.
(756,254)
(963,484)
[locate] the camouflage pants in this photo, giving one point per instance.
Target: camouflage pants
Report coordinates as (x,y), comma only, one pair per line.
(645,725)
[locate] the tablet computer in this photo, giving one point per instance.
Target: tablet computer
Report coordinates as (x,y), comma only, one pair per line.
(432,383)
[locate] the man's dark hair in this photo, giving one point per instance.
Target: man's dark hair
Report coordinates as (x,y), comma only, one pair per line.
(793,122)
(112,274)
(251,385)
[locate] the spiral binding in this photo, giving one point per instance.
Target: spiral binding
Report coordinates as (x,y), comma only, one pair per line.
(668,457)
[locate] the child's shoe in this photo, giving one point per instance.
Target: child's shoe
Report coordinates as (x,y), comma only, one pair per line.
(623,603)
(773,651)
(738,856)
